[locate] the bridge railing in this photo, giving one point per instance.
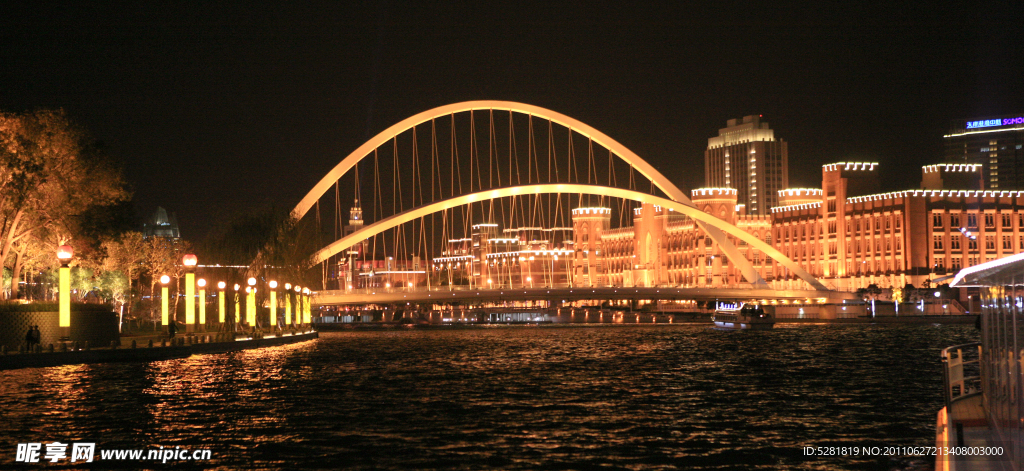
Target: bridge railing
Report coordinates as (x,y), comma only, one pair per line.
(537,287)
(962,371)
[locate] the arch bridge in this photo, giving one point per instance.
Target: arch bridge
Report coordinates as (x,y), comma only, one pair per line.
(423,191)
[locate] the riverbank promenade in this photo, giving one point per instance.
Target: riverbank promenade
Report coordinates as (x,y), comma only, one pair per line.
(151,350)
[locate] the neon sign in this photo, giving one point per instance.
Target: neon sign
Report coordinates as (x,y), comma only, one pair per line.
(987,123)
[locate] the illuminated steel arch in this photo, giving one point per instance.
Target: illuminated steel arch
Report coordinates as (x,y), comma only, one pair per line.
(647,170)
(555,188)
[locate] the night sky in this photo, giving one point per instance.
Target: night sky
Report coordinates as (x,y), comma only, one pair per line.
(218,109)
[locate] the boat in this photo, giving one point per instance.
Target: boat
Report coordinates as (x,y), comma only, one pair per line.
(743,316)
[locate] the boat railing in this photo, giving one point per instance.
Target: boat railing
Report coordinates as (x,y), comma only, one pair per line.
(961,371)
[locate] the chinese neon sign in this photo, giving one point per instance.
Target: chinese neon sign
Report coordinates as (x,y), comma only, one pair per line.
(987,123)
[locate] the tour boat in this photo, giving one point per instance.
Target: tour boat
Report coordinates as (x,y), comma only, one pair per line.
(742,316)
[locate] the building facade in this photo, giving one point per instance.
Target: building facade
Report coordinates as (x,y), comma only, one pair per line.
(846,233)
(747,157)
(994,143)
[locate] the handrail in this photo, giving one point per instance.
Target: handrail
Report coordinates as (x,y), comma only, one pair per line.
(957,385)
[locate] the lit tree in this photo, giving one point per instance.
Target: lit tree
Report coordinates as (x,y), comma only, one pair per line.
(127,255)
(49,174)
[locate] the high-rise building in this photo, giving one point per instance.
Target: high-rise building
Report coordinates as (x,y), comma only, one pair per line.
(746,156)
(161,225)
(996,144)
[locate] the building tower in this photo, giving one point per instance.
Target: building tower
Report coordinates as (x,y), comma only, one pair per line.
(588,225)
(997,144)
(746,156)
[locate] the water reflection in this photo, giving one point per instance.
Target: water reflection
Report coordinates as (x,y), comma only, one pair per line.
(628,397)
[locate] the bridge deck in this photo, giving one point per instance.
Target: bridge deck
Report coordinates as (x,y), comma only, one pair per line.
(464,294)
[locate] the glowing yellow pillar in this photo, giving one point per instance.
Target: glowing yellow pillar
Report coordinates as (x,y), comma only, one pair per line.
(163,300)
(308,310)
(250,306)
(190,302)
(64,254)
(298,305)
(273,304)
(287,304)
(202,302)
(238,308)
(250,302)
(222,313)
(65,297)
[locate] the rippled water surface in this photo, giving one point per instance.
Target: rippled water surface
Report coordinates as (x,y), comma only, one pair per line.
(628,397)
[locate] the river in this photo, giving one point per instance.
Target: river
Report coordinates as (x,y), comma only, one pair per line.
(624,397)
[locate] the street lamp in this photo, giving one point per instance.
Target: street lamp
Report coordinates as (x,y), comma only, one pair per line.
(287,304)
(190,261)
(202,302)
(250,302)
(222,313)
(273,304)
(163,299)
(64,255)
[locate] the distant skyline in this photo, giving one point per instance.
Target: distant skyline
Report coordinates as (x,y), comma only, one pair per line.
(219,109)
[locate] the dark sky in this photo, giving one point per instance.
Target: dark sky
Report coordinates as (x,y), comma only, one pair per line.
(216,109)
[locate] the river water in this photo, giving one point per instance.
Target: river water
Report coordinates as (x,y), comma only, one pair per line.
(624,397)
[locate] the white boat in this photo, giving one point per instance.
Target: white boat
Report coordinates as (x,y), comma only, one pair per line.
(743,316)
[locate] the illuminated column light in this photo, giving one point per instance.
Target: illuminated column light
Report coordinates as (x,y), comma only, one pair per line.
(202,302)
(273,303)
(189,261)
(64,254)
(238,307)
(250,302)
(163,299)
(221,311)
(298,305)
(287,304)
(308,315)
